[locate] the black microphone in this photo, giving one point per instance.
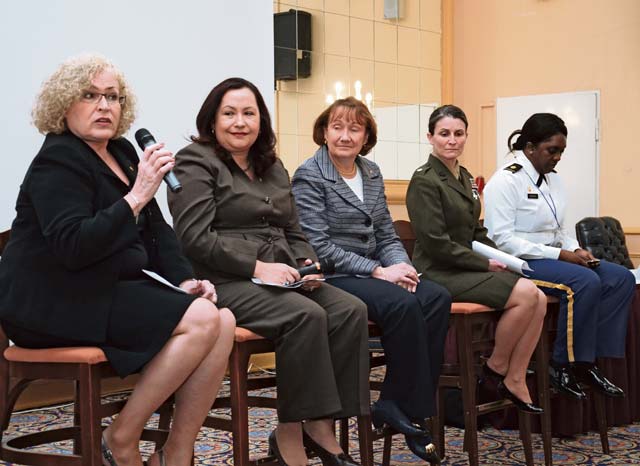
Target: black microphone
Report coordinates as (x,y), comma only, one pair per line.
(327,266)
(145,139)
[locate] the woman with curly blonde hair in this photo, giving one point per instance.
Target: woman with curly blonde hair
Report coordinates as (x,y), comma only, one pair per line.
(72,274)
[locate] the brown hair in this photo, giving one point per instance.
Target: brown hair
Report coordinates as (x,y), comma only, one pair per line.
(355,109)
(262,153)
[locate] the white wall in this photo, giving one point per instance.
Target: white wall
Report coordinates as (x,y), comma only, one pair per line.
(172,53)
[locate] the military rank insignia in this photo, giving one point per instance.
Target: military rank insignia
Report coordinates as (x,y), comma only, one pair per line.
(513,168)
(474,188)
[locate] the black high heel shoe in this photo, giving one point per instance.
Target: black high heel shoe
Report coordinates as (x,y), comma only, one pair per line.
(274,450)
(521,405)
(491,374)
(327,458)
(387,412)
(422,446)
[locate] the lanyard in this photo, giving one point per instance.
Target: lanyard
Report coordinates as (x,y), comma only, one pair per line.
(552,205)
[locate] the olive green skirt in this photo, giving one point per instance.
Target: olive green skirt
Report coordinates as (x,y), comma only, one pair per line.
(493,292)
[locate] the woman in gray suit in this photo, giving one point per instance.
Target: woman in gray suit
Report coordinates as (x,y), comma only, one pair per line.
(236,220)
(343,211)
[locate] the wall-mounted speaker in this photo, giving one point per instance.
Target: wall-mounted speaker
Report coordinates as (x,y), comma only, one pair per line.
(292,44)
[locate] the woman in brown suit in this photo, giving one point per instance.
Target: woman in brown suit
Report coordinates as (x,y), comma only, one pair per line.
(444,207)
(237,220)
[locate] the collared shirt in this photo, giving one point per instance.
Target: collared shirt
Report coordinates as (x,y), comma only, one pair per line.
(524,211)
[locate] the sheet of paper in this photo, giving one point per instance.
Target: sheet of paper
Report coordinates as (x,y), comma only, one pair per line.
(513,263)
(163,280)
(636,273)
(297,284)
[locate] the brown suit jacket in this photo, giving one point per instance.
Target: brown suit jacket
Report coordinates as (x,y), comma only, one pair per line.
(444,213)
(226,222)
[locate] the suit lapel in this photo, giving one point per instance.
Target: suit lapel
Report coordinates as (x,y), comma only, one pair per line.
(371,186)
(342,189)
(128,167)
(447,177)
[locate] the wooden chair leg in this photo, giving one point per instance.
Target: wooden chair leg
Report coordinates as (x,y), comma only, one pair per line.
(601,418)
(524,423)
(365,438)
(238,367)
(90,428)
(544,393)
(386,450)
(440,443)
(344,434)
(468,382)
(77,444)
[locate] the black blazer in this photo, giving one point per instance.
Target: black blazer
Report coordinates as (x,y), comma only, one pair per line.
(72,235)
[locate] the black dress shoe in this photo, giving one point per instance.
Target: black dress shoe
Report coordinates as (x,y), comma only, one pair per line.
(590,374)
(422,446)
(521,405)
(274,450)
(562,378)
(491,374)
(327,458)
(387,412)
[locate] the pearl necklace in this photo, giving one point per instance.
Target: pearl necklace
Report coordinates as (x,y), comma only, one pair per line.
(345,173)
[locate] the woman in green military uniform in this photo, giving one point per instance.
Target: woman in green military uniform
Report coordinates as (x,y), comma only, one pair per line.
(444,207)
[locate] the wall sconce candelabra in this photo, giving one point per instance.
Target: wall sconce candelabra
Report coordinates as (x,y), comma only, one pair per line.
(357,88)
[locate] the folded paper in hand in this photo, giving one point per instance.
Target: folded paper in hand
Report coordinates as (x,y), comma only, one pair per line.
(513,263)
(164,281)
(297,284)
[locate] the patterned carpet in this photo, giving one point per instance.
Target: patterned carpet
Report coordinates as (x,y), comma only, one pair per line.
(496,447)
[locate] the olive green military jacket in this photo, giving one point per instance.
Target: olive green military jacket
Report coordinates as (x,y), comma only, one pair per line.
(444,213)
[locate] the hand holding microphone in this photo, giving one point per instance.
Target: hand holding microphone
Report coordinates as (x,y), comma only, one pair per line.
(155,164)
(283,274)
(313,270)
(320,267)
(146,142)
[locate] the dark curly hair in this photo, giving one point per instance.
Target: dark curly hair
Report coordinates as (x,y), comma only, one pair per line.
(262,154)
(538,127)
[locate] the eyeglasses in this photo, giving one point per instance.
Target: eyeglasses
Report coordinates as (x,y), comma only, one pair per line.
(110,97)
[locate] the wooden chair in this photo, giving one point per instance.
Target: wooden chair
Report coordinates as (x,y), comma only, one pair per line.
(366,433)
(87,367)
(465,319)
(599,400)
(239,401)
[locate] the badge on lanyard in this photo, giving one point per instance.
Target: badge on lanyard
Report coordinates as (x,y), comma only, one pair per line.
(474,188)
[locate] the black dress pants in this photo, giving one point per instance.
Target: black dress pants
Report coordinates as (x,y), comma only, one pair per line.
(414,327)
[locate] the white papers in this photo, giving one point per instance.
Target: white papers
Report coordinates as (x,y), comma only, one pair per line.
(636,273)
(297,284)
(513,263)
(162,280)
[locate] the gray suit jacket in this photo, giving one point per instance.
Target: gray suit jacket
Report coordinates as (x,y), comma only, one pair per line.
(357,235)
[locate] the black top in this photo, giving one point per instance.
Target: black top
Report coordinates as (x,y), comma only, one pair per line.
(75,236)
